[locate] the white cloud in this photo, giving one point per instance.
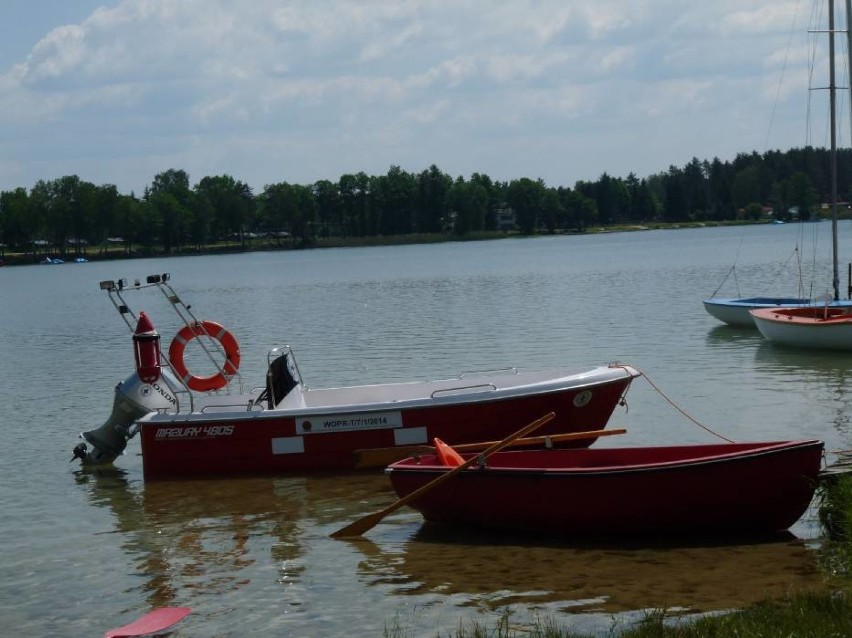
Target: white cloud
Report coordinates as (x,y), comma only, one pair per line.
(310,88)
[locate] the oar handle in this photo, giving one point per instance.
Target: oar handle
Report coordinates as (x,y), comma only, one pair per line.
(382,456)
(536,440)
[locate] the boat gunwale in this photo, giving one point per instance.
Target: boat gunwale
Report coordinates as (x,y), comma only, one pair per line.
(770,448)
(793,316)
(592,378)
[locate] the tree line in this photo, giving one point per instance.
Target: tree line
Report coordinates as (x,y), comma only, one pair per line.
(65,214)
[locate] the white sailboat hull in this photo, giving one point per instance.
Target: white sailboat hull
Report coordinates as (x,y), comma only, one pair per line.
(735,312)
(824,329)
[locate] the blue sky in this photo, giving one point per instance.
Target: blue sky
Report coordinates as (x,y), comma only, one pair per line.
(267,91)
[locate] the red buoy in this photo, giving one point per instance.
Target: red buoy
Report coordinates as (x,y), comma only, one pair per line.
(146,345)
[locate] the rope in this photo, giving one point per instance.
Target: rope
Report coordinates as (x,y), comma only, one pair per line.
(732,270)
(681,410)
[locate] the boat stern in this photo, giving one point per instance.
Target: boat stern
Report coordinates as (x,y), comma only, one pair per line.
(133,399)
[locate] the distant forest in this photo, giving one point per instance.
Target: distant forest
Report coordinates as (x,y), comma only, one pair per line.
(69,216)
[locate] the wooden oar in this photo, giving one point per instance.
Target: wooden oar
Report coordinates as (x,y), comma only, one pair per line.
(382,456)
(371,520)
(150,623)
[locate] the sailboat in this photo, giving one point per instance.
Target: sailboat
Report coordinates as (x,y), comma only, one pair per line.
(827,325)
(760,310)
(738,312)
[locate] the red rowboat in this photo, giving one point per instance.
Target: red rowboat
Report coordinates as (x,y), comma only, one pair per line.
(717,488)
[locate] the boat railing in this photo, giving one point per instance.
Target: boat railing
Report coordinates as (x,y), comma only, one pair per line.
(480,373)
(251,406)
(465,389)
(116,290)
(224,406)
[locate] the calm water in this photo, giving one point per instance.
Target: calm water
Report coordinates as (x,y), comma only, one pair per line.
(86,551)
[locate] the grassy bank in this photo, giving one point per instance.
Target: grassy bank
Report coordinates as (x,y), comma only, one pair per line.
(800,616)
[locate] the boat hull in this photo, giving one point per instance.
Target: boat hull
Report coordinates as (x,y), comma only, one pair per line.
(212,441)
(700,489)
(736,312)
(820,328)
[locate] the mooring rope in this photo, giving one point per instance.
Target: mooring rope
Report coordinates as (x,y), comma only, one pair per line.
(677,407)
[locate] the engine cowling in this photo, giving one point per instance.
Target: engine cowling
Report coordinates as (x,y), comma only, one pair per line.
(134,398)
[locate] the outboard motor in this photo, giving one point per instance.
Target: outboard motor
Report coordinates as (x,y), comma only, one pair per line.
(146,390)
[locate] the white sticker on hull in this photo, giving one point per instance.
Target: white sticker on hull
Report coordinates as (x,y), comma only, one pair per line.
(347,422)
(288,445)
(409,436)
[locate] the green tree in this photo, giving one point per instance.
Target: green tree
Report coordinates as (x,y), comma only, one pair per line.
(746,187)
(801,194)
(355,200)
(551,209)
(105,214)
(612,199)
(581,211)
(130,221)
(290,207)
(393,200)
(223,207)
(677,201)
(329,208)
(17,226)
(468,205)
(753,211)
(169,208)
(433,187)
(525,198)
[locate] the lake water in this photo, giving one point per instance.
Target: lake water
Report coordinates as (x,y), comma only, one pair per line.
(85,551)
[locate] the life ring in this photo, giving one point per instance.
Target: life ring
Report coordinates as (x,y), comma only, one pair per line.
(214,331)
(447,456)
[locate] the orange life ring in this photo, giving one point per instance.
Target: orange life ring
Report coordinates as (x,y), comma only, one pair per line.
(447,456)
(214,331)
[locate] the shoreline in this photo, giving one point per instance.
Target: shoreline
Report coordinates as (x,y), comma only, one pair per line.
(266,244)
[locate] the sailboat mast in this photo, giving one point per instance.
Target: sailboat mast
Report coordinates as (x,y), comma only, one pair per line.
(832,91)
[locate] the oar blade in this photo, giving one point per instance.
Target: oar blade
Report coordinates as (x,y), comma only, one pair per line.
(360,526)
(150,623)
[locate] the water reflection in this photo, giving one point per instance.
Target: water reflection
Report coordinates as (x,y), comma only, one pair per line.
(830,365)
(499,570)
(725,336)
(192,538)
(821,373)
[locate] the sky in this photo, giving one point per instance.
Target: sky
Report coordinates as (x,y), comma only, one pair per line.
(270,91)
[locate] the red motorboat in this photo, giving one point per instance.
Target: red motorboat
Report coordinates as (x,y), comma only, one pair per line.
(193,425)
(696,489)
